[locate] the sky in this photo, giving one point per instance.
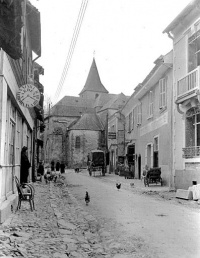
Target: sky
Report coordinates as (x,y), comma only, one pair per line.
(124,36)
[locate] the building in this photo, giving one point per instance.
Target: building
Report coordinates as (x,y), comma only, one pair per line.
(184,31)
(77,125)
(19,126)
(147,116)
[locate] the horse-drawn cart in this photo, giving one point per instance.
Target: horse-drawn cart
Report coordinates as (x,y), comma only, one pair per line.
(153,175)
(96,162)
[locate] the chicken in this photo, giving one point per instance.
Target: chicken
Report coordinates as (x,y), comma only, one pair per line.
(87,198)
(118,186)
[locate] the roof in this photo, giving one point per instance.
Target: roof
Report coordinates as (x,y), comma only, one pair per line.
(93,82)
(72,106)
(76,102)
(61,110)
(102,99)
(182,15)
(116,102)
(88,122)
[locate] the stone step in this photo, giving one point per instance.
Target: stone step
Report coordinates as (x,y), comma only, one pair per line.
(184,194)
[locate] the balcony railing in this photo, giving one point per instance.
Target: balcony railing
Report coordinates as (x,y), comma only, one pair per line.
(187,86)
(191,152)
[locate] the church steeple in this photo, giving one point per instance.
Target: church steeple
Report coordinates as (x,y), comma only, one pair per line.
(93,82)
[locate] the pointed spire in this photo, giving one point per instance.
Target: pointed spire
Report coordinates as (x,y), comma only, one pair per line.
(93,82)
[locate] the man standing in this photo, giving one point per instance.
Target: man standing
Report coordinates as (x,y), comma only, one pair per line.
(25,165)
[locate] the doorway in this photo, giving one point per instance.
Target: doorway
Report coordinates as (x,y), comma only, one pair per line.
(139,166)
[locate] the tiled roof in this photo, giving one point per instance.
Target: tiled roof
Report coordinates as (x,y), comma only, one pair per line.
(102,99)
(117,102)
(93,82)
(61,110)
(76,102)
(88,122)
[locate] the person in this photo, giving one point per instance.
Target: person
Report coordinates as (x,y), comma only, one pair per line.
(57,166)
(25,165)
(52,165)
(144,173)
(62,167)
(41,169)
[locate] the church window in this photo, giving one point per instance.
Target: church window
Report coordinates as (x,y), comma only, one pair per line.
(77,142)
(96,95)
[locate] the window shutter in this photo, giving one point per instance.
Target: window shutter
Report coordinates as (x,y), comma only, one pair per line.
(151,154)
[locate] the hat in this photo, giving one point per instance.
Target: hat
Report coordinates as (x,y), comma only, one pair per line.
(24,148)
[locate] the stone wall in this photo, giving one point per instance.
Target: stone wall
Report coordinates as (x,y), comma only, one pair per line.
(89,140)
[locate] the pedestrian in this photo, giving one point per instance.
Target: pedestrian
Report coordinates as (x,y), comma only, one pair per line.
(52,165)
(25,165)
(62,167)
(57,166)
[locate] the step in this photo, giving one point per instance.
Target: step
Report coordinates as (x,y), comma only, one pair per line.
(184,194)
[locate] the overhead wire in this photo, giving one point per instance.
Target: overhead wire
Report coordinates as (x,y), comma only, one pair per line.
(72,47)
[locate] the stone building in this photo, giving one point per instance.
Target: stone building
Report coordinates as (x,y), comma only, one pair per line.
(76,125)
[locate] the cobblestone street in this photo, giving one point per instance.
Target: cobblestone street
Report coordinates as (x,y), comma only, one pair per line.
(57,228)
(62,226)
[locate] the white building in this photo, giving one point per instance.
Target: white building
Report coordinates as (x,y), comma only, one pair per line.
(184,30)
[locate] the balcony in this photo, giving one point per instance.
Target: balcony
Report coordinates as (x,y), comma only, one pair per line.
(187,86)
(191,152)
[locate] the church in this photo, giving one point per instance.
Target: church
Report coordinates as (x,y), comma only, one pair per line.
(77,125)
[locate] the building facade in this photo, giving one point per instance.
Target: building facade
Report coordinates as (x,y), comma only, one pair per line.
(184,31)
(148,121)
(19,126)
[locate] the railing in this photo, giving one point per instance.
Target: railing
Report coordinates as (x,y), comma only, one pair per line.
(188,84)
(191,152)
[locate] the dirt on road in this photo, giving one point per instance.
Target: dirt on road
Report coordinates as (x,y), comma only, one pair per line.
(142,224)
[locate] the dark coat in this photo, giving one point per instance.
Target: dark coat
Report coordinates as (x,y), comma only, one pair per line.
(25,165)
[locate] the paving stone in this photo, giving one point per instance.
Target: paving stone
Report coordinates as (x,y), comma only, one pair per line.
(64,224)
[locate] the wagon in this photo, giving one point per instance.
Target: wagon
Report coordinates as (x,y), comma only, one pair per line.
(96,162)
(153,176)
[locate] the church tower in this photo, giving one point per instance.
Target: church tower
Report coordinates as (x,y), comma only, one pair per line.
(93,86)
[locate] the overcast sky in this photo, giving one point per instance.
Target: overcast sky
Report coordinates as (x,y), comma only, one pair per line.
(126,36)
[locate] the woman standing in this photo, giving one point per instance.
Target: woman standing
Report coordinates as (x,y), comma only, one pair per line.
(25,165)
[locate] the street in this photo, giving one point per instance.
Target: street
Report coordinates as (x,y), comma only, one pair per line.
(153,227)
(122,223)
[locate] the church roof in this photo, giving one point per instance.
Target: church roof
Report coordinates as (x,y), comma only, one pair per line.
(88,122)
(116,102)
(93,82)
(72,106)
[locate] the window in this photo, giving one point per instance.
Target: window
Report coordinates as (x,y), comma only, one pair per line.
(163,95)
(133,119)
(194,51)
(150,104)
(11,139)
(18,138)
(139,114)
(193,128)
(192,134)
(78,142)
(130,117)
(11,142)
